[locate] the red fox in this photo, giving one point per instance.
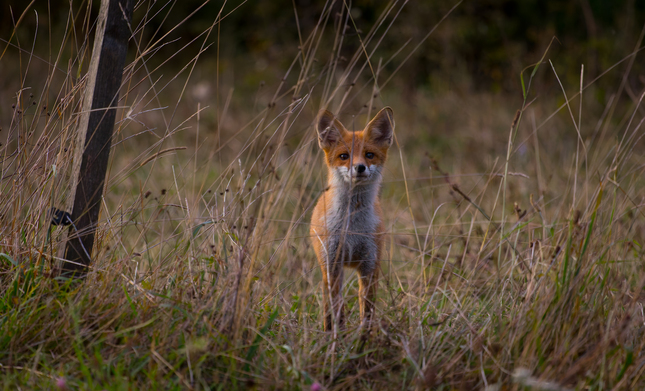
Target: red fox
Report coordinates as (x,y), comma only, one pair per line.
(347,223)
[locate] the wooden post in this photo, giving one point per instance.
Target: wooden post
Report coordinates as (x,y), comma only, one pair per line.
(94,137)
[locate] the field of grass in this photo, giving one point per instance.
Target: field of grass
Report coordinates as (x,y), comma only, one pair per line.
(514,255)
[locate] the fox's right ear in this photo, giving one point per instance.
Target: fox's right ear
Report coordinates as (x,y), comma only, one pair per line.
(329,129)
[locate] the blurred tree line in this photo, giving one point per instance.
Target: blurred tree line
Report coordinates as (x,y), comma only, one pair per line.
(482,45)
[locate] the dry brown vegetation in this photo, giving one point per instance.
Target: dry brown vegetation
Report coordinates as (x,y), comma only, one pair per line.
(514,255)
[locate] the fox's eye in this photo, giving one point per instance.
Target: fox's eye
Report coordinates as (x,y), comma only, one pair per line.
(343,156)
(369,155)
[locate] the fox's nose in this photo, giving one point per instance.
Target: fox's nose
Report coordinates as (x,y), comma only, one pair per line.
(360,168)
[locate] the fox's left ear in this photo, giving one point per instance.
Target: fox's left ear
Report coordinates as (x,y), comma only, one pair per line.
(330,130)
(381,128)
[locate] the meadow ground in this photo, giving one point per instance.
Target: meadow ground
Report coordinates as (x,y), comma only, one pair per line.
(515,224)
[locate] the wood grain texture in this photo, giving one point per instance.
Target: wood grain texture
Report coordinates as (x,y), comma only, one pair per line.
(95,130)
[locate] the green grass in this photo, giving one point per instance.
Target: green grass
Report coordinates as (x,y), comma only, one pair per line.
(514,257)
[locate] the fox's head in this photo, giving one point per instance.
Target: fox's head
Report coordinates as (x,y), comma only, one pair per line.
(355,157)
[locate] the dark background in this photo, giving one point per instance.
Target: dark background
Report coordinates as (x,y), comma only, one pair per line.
(483,45)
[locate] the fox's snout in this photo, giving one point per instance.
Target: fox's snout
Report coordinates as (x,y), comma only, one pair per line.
(358,173)
(361,171)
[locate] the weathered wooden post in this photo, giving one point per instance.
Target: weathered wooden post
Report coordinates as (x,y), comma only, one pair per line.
(94,136)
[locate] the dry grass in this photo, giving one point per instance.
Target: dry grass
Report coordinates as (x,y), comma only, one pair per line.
(514,258)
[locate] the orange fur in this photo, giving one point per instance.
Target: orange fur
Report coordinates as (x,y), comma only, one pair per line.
(347,226)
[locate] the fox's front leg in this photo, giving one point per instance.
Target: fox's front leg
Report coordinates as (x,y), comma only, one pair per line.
(367,283)
(332,273)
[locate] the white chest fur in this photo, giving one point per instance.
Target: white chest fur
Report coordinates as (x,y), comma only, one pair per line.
(351,223)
